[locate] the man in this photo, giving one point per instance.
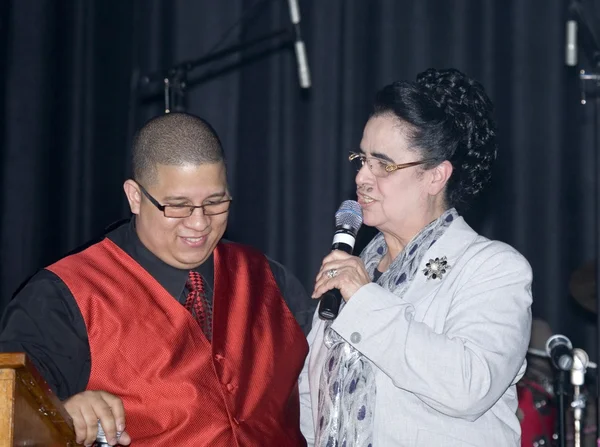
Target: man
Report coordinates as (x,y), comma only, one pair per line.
(162,329)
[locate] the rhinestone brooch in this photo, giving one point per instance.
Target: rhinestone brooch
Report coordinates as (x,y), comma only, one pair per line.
(436,268)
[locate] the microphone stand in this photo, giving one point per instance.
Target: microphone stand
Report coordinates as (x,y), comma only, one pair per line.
(562,416)
(595,77)
(175,78)
(580,363)
(589,37)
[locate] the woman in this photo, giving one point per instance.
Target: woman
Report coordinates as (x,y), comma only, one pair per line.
(432,335)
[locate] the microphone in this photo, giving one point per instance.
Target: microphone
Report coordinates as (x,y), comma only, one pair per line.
(101,440)
(348,220)
(580,362)
(299,47)
(571,43)
(559,349)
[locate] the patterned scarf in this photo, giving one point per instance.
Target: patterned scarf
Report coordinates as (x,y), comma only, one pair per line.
(347,388)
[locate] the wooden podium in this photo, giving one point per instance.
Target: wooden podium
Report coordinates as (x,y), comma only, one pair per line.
(30,413)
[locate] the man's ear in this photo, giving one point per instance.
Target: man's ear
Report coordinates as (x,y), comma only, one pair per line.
(134,195)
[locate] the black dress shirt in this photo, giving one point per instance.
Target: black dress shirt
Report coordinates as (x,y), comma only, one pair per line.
(44,321)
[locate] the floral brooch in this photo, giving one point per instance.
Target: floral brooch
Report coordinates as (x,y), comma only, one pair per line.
(436,268)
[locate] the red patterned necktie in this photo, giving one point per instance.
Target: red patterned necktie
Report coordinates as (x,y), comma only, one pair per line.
(197,303)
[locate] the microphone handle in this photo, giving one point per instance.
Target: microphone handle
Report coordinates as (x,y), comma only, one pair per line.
(329,306)
(342,247)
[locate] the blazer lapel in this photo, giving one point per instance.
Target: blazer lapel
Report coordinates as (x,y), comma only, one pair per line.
(452,245)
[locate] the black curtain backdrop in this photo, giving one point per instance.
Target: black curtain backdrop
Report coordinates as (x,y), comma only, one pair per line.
(67,119)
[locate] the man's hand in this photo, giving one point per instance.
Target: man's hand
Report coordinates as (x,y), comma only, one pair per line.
(87,407)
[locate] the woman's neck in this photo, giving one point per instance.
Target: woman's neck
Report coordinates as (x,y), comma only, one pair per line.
(396,241)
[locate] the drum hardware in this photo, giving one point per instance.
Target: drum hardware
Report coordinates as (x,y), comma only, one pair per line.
(536,412)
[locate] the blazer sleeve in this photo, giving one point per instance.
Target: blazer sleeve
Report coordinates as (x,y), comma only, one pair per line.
(464,370)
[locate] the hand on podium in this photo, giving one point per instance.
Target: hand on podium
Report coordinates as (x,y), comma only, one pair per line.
(88,407)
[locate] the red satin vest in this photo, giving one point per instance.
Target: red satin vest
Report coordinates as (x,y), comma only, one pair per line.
(177,388)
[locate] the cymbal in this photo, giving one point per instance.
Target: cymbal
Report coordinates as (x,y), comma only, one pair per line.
(583,286)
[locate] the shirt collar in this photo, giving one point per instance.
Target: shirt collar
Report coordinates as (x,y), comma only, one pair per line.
(172,279)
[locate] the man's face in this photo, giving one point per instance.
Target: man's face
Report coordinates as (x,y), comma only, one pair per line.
(183,243)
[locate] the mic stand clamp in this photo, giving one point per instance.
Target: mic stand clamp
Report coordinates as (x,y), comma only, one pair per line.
(174,91)
(583,76)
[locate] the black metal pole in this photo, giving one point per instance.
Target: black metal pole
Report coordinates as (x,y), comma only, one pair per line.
(562,414)
(597,247)
(190,65)
(595,78)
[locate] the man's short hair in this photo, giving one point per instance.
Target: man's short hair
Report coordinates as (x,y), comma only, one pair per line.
(174,139)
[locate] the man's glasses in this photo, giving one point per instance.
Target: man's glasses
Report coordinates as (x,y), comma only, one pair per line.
(379,167)
(182,211)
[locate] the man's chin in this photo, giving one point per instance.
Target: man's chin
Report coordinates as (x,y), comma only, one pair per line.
(189,259)
(191,263)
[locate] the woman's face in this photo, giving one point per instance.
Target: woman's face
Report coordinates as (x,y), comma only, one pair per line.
(403,196)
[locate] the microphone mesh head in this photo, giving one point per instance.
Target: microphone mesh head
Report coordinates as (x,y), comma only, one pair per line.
(349,215)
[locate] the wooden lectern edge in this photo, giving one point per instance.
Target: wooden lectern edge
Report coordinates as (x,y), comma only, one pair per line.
(49,405)
(13,360)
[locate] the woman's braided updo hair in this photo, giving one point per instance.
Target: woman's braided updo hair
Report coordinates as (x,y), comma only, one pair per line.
(449,117)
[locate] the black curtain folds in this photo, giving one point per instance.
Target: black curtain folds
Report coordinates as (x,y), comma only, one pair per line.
(66,96)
